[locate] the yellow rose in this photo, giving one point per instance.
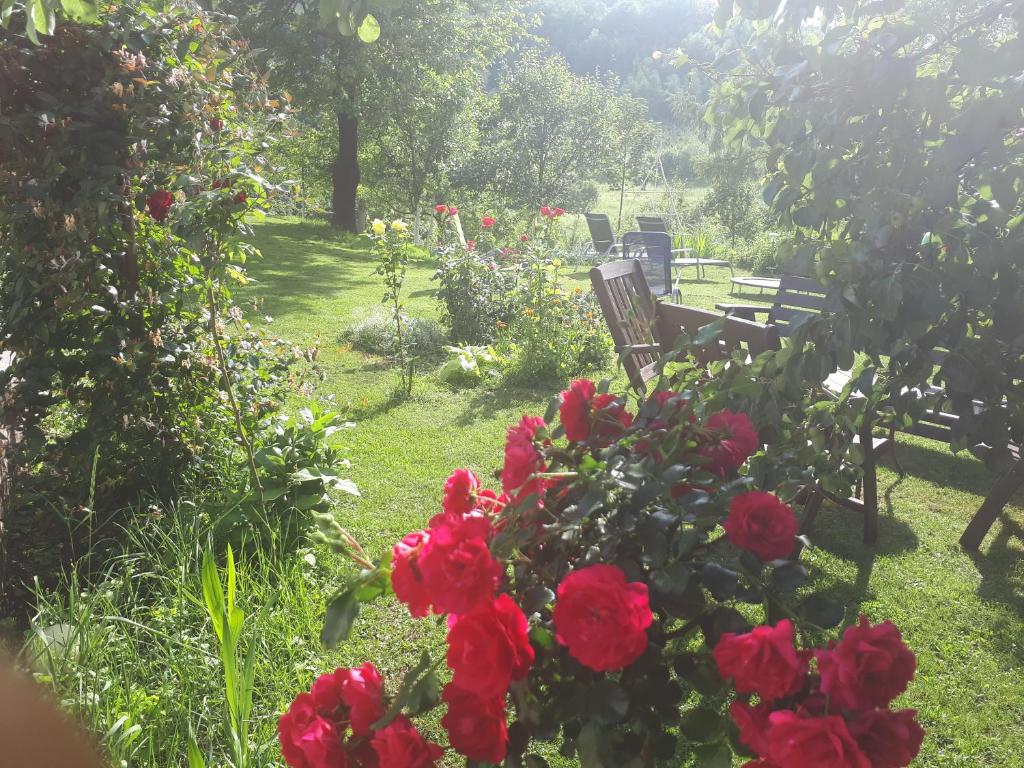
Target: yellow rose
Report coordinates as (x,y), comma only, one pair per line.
(377,227)
(399,226)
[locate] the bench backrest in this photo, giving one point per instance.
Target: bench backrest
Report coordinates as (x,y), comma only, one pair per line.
(629,310)
(798,297)
(650,329)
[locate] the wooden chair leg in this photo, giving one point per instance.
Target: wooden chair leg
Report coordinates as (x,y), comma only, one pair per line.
(811,509)
(992,506)
(870,480)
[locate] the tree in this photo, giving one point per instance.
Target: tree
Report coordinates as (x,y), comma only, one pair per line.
(895,154)
(369,86)
(430,104)
(550,131)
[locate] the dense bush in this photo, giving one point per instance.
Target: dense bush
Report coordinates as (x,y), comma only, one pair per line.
(894,154)
(122,226)
(477,293)
(515,297)
(557,333)
(628,580)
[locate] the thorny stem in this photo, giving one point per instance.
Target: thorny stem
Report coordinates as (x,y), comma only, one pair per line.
(211,298)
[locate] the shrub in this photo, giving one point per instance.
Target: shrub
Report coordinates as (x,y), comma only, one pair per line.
(375,334)
(477,294)
(558,332)
(469,365)
(625,584)
(123,220)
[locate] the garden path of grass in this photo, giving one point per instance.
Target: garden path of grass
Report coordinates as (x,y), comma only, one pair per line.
(961,614)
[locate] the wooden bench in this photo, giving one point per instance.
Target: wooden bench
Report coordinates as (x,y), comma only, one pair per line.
(800,297)
(644,329)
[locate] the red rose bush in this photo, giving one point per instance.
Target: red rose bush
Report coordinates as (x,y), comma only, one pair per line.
(622,564)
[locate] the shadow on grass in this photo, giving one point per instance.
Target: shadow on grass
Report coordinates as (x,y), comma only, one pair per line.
(289,282)
(483,403)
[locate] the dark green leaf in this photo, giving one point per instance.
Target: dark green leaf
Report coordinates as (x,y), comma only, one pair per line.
(788,577)
(822,612)
(341,614)
(720,581)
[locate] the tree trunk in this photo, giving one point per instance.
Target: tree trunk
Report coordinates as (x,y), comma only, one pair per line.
(346,173)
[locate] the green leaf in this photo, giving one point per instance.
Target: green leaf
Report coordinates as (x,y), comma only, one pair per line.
(213,596)
(424,695)
(702,726)
(422,669)
(788,577)
(195,757)
(714,756)
(341,615)
(609,702)
(81,11)
(822,611)
(593,746)
(369,30)
(720,582)
(6,9)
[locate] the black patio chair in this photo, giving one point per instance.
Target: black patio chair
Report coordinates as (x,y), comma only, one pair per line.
(601,234)
(654,252)
(682,259)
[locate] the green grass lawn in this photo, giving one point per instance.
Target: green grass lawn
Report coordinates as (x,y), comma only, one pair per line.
(961,614)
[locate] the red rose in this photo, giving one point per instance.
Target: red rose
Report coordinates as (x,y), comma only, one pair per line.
(732,440)
(441,208)
(574,411)
(557,212)
(545,211)
(522,459)
(487,222)
(812,742)
(489,648)
(471,245)
(241,197)
(760,523)
(216,124)
(601,618)
(354,696)
(753,724)
(459,572)
(406,577)
(762,661)
(309,740)
(889,739)
(453,211)
(524,238)
(610,416)
(476,727)
(400,745)
(362,690)
(460,491)
(581,405)
(159,203)
(217,184)
(868,668)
